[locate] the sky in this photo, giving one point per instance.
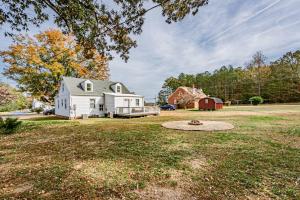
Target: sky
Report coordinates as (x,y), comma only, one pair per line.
(224,32)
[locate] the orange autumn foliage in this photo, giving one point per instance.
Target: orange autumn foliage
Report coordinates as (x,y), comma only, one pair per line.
(37,63)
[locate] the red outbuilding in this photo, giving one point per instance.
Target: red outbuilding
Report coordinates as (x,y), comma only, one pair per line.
(210,103)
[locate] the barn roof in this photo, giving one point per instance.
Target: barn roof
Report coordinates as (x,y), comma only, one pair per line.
(217,100)
(99,87)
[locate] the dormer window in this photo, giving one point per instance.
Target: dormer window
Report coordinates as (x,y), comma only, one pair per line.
(89,87)
(118,88)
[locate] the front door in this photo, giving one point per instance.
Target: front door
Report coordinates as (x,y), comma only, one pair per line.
(101,109)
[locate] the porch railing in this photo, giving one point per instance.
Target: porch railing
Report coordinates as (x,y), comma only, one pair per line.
(137,110)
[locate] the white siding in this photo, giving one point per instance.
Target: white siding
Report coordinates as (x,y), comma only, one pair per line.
(76,106)
(122,101)
(113,101)
(63,96)
(109,103)
(82,105)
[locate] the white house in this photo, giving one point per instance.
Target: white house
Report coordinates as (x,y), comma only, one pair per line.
(85,97)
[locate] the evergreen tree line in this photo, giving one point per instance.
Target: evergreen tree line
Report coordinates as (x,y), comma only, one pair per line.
(275,82)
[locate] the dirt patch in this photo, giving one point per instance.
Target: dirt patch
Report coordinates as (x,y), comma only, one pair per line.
(162,193)
(176,187)
(255,197)
(4,169)
(16,189)
(179,146)
(109,172)
(198,163)
(206,126)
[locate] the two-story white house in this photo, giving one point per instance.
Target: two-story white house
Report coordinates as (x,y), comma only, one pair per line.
(79,97)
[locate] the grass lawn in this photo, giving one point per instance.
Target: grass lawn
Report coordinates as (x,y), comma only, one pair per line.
(138,159)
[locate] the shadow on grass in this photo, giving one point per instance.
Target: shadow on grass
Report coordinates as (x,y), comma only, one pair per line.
(45,118)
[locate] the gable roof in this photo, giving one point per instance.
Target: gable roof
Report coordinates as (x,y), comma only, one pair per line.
(197,93)
(99,87)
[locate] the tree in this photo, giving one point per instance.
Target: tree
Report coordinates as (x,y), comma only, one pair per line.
(172,83)
(38,63)
(106,26)
(276,82)
(256,67)
(284,82)
(6,94)
(163,95)
(11,99)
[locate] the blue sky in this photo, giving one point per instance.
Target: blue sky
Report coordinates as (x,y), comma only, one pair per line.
(222,33)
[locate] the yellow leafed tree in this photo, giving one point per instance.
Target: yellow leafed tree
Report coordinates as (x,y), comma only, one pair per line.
(38,63)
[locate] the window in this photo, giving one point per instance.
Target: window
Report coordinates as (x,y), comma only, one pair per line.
(206,101)
(62,103)
(92,103)
(118,89)
(63,87)
(65,103)
(88,87)
(137,102)
(101,107)
(57,103)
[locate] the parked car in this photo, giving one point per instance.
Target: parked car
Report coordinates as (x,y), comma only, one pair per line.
(49,112)
(168,107)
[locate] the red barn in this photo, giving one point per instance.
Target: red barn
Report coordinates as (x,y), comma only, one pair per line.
(210,103)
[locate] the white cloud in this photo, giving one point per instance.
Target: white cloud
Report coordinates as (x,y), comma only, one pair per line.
(222,33)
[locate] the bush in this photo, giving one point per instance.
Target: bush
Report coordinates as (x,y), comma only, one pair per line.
(9,125)
(37,110)
(256,100)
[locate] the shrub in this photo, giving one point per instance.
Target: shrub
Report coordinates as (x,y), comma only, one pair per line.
(37,110)
(9,125)
(256,100)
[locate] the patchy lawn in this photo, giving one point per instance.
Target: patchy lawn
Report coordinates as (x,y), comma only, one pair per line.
(138,159)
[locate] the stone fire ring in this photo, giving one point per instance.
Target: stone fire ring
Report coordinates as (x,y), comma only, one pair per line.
(206,126)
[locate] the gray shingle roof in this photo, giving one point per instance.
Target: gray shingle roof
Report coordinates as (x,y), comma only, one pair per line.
(217,100)
(99,86)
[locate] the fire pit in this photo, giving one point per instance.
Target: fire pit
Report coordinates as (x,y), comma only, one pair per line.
(195,123)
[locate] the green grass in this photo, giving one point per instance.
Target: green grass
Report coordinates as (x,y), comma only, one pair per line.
(294,131)
(126,158)
(265,118)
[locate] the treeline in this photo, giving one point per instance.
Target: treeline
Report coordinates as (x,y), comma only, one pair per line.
(276,82)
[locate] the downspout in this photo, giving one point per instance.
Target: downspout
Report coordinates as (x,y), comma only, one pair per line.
(70,103)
